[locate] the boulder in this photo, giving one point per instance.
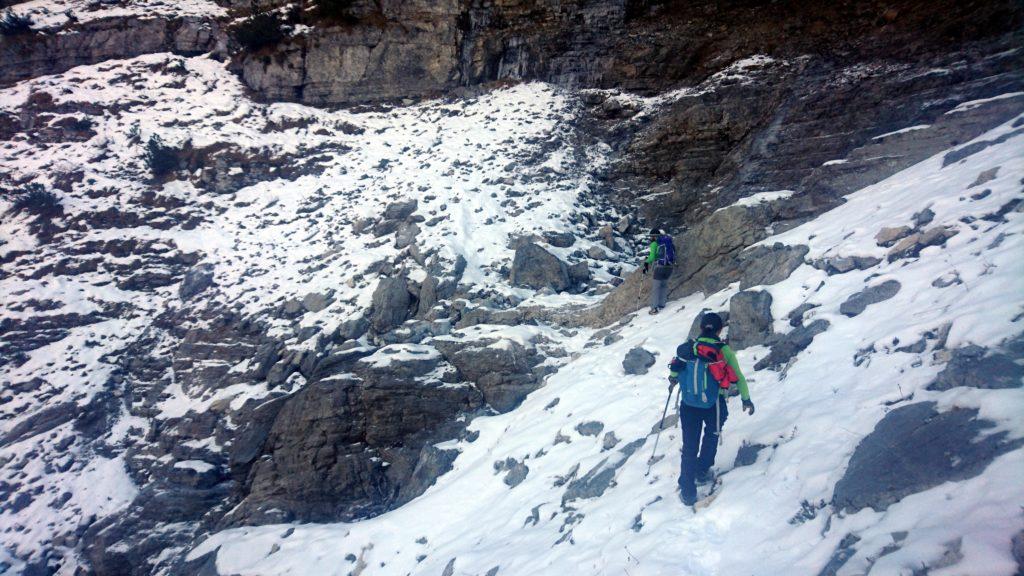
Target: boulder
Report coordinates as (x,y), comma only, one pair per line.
(914,448)
(747,454)
(599,478)
(428,295)
(857,303)
(609,441)
(790,344)
(843,264)
(579,274)
(911,246)
(924,217)
(535,267)
(315,302)
(352,329)
(767,265)
(392,304)
(796,316)
(196,280)
(400,210)
(978,367)
(637,361)
(560,239)
(889,236)
(406,235)
(590,428)
(750,319)
(516,471)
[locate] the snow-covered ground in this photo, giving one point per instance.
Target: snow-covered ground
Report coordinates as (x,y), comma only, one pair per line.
(502,165)
(811,416)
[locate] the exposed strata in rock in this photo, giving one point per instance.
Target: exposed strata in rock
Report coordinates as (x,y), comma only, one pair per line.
(32,55)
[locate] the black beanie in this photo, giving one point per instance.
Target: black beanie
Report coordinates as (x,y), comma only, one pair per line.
(710,323)
(655,232)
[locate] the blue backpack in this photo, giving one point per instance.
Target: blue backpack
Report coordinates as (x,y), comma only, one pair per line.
(666,251)
(699,386)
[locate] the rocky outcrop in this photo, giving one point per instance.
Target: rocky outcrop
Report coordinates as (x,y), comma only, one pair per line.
(407,49)
(504,371)
(414,49)
(343,449)
(51,52)
(915,448)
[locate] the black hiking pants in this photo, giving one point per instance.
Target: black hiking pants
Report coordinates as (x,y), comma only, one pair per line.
(700,442)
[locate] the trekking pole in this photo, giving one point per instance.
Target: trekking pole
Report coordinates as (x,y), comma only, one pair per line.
(661,426)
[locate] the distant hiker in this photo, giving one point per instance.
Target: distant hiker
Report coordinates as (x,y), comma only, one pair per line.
(662,254)
(705,369)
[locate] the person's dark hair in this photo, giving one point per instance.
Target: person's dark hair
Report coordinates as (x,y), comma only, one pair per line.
(710,323)
(655,232)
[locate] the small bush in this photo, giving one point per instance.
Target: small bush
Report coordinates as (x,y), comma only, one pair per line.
(12,24)
(259,30)
(37,201)
(161,158)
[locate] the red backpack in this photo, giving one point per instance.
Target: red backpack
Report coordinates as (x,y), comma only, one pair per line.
(711,352)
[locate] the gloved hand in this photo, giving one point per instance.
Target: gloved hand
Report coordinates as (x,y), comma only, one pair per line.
(748,407)
(647,266)
(672,381)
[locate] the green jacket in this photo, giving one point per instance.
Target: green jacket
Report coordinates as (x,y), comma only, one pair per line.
(730,358)
(652,252)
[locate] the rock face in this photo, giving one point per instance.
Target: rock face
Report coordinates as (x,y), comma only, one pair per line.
(409,50)
(535,267)
(915,448)
(418,48)
(32,55)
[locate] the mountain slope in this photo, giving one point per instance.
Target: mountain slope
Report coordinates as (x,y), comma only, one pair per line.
(251,337)
(566,516)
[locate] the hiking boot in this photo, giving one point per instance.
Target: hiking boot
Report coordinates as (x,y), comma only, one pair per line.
(705,477)
(687,499)
(653,310)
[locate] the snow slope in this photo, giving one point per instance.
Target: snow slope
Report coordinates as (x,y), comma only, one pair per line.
(811,415)
(484,171)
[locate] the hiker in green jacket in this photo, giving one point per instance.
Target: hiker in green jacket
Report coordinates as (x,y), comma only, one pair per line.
(662,255)
(705,369)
